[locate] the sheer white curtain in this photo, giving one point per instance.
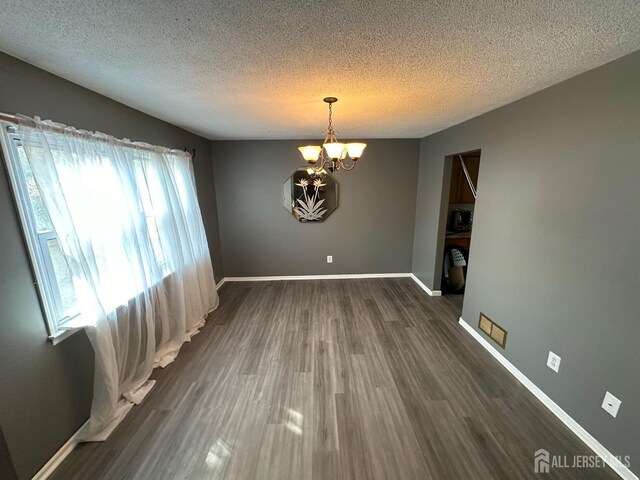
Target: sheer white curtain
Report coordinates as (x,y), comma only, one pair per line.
(129,224)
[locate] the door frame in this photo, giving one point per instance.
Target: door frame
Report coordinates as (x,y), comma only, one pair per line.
(444,211)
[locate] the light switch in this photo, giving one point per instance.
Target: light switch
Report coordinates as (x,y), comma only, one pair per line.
(611,404)
(553,361)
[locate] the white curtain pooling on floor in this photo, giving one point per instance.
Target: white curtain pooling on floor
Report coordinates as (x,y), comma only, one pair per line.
(129,224)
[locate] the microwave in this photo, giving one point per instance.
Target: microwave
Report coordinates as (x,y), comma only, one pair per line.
(460,220)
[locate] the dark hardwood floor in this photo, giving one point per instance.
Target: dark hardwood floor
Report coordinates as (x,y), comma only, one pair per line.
(455,300)
(332,379)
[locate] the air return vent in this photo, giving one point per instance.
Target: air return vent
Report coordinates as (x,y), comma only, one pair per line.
(491,328)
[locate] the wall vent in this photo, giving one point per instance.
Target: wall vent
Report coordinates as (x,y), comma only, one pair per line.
(491,328)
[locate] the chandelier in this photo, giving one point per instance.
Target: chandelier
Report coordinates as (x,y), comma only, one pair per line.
(332,157)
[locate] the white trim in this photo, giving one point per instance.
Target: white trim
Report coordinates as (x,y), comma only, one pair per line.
(273,278)
(433,293)
(59,456)
(314,277)
(27,225)
(62,335)
(564,417)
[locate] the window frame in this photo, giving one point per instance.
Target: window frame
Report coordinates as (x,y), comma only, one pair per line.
(46,282)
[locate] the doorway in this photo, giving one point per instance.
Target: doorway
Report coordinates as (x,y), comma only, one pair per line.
(458,209)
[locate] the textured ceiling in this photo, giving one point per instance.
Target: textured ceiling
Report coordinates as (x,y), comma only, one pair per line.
(259,69)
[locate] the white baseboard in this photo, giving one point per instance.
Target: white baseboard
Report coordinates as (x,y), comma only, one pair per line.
(433,293)
(564,417)
(313,277)
(59,456)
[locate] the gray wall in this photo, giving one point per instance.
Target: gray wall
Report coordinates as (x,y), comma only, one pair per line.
(555,247)
(370,232)
(46,390)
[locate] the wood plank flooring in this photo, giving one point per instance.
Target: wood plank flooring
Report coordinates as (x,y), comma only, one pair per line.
(331,379)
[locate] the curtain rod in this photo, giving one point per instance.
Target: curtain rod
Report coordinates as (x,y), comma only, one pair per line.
(13,119)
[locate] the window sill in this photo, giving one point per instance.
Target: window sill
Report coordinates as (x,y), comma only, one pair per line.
(70,323)
(62,335)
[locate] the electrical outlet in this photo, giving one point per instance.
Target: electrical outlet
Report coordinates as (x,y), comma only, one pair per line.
(329,259)
(611,404)
(553,362)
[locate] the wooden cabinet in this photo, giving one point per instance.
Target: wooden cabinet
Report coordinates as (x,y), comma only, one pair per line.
(463,242)
(460,191)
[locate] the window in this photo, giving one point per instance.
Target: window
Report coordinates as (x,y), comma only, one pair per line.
(116,202)
(53,275)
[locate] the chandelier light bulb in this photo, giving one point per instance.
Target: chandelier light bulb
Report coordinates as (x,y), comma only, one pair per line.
(355,150)
(334,150)
(310,153)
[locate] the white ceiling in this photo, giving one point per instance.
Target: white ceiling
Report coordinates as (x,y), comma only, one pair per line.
(259,69)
